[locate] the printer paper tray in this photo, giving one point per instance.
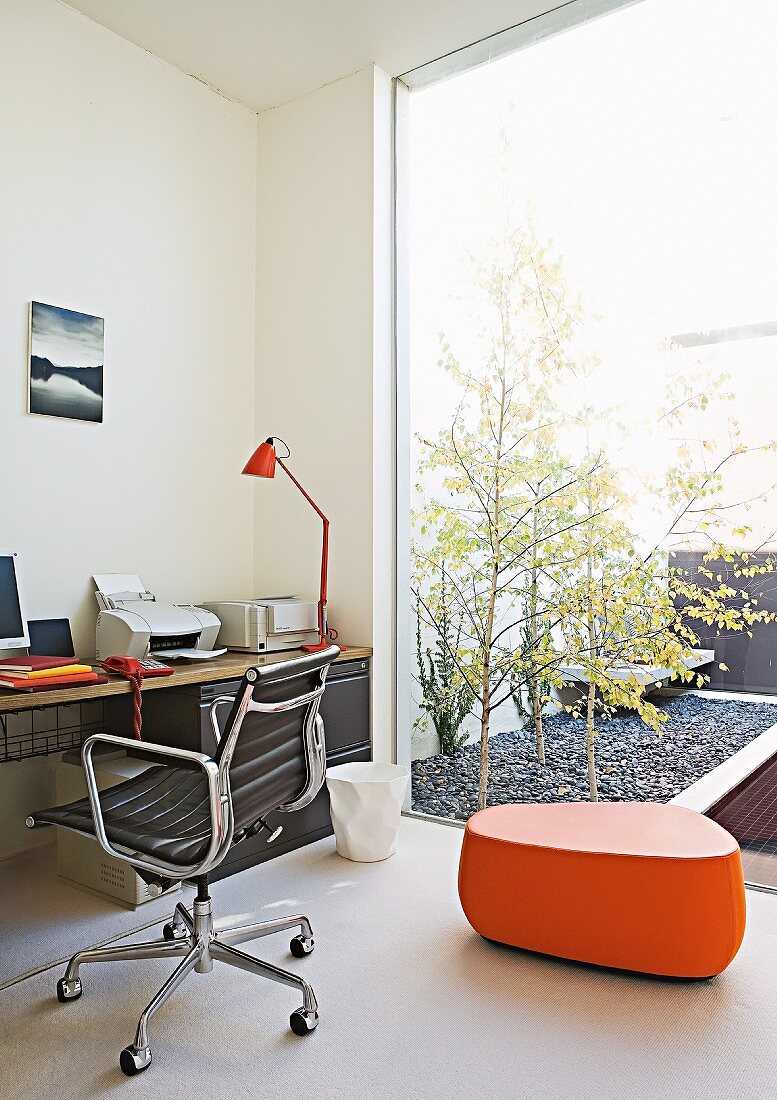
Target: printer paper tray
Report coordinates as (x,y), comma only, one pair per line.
(187,654)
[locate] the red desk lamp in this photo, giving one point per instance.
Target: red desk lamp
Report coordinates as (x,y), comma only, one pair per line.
(262,464)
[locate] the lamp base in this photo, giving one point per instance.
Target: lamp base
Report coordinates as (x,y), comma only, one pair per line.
(323,644)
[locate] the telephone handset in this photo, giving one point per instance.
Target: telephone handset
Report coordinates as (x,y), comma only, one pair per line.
(131,666)
(135,670)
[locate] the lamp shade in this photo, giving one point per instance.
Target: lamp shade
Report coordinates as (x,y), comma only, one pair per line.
(262,461)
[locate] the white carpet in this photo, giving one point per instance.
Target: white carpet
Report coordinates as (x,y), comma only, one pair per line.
(414,1006)
(43,918)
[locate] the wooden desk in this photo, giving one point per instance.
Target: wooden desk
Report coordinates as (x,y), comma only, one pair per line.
(180,717)
(231,666)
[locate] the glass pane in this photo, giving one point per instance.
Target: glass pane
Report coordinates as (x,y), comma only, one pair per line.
(592,329)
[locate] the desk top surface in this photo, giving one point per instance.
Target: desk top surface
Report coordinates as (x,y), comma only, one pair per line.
(230,666)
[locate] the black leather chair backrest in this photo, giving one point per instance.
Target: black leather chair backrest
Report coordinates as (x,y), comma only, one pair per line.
(268,767)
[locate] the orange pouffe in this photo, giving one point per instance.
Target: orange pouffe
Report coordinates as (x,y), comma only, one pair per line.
(633,885)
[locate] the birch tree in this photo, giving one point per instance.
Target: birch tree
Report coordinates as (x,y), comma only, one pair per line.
(501,504)
(627,610)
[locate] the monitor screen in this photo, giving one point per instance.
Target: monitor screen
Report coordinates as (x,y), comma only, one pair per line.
(13,630)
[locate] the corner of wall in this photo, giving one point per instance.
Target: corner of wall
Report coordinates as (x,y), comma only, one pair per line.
(383,422)
(324,368)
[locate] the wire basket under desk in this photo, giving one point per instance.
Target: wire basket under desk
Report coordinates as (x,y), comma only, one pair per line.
(48,729)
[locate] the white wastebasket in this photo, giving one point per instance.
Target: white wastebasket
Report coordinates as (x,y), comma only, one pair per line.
(366,803)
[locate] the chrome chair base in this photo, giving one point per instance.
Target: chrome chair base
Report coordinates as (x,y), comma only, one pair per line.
(191,937)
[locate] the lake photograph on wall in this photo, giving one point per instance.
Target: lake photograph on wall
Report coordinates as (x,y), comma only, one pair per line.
(66,363)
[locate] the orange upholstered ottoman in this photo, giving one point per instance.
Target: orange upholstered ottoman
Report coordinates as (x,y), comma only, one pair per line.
(632,885)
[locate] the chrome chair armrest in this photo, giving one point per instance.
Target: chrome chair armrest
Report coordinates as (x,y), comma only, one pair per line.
(315,758)
(219,701)
(218,804)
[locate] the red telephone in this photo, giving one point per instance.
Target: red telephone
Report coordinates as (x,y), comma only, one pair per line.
(135,670)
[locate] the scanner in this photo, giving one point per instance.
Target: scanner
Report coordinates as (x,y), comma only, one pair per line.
(132,622)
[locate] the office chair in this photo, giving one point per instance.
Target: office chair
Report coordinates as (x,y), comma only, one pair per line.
(179,818)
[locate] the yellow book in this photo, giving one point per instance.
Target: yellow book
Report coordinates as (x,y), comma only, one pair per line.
(63,670)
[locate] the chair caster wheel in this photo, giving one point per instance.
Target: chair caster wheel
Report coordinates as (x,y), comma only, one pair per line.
(134,1061)
(301,946)
(302,1022)
(69,991)
(169,932)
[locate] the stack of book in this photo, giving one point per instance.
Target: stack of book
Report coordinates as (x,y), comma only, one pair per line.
(45,673)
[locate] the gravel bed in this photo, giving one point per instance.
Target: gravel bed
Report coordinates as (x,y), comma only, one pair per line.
(633,763)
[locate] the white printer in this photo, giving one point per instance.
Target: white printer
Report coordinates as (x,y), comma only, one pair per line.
(266,624)
(133,623)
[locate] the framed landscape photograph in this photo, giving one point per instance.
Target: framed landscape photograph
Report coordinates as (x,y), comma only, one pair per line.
(66,363)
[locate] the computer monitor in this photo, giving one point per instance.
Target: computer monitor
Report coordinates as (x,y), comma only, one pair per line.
(13,625)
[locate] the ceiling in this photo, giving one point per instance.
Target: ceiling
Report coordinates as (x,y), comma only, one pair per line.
(265,52)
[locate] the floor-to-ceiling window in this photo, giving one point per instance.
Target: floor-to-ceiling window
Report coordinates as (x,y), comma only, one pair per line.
(589,235)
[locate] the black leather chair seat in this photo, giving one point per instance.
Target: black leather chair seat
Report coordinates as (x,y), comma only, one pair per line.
(163,812)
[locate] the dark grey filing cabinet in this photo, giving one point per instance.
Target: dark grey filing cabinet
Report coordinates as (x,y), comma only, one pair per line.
(180,716)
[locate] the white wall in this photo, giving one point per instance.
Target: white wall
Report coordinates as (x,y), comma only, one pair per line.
(133,192)
(128,191)
(323,340)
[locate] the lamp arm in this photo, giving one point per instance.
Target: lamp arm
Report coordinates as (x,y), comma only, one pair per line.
(305,494)
(323,628)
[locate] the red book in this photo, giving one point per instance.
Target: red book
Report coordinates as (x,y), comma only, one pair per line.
(33,664)
(51,682)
